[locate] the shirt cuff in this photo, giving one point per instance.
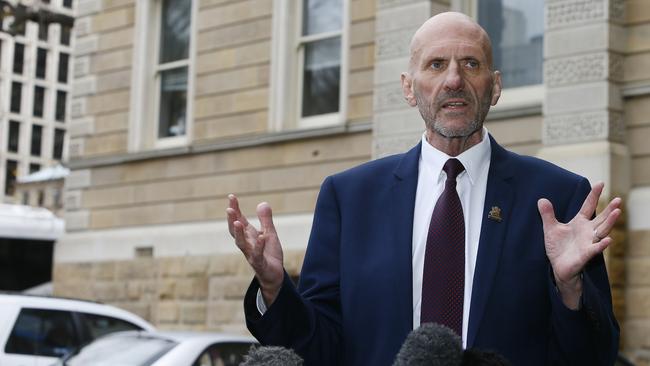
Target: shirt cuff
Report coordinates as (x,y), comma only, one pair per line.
(261,305)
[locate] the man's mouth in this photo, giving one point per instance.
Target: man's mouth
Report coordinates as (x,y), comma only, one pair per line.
(454,104)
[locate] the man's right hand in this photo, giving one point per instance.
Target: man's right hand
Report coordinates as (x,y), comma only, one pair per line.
(262,249)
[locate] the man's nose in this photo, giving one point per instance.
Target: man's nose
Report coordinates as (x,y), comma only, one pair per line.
(454,78)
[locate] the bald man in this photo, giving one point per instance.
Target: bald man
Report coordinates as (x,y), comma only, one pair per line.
(502,248)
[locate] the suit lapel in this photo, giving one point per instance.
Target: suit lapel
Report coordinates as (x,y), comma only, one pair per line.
(499,198)
(400,217)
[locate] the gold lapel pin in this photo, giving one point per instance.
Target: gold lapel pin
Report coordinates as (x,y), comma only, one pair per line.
(495,214)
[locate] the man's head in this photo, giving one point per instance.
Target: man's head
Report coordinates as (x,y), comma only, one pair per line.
(451,78)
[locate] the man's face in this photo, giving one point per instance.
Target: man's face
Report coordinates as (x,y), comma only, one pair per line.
(451,81)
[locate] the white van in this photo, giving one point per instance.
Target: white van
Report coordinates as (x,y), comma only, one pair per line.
(36,330)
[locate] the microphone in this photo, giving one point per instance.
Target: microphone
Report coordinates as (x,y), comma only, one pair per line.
(431,345)
(474,357)
(271,356)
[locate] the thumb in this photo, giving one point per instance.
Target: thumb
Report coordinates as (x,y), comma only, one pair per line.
(265,215)
(546,211)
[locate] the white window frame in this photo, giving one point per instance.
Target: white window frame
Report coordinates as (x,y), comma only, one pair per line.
(287,62)
(145,92)
(521,97)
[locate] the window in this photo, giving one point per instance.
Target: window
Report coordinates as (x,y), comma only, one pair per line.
(59,136)
(14,136)
(39,100)
(16,96)
(25,199)
(61,97)
(64,59)
(66,31)
(67,4)
(19,58)
(43,31)
(228,354)
(41,63)
(99,325)
(33,168)
(40,198)
(37,137)
(42,333)
(11,171)
(320,48)
(516,29)
(172,68)
(308,83)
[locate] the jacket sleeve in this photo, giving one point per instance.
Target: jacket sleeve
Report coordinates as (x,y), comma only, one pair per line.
(307,319)
(589,335)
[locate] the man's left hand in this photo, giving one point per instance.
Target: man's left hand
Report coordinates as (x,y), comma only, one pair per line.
(571,246)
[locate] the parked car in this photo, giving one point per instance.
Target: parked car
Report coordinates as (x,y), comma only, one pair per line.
(162,349)
(38,330)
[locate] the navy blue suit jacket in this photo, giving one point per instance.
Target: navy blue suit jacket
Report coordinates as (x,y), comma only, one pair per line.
(354,303)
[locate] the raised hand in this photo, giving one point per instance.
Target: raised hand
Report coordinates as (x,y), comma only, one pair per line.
(261,248)
(571,246)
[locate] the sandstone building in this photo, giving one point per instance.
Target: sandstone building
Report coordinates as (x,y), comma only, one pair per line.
(177,104)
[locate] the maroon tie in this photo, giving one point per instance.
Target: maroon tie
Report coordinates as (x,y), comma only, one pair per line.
(443,281)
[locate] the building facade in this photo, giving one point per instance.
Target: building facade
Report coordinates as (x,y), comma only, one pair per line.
(35,64)
(177,104)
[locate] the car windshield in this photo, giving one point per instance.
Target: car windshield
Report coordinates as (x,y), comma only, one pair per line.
(131,350)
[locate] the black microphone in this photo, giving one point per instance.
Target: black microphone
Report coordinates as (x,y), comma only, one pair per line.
(431,345)
(271,356)
(474,357)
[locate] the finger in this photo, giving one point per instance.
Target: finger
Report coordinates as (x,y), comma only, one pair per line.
(547,213)
(589,205)
(597,248)
(613,205)
(607,225)
(234,204)
(240,238)
(265,214)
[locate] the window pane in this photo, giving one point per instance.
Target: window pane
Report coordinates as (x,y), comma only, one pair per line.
(41,63)
(42,332)
(175,30)
(228,353)
(43,31)
(39,99)
(321,16)
(16,96)
(19,58)
(516,28)
(61,97)
(33,168)
(59,136)
(14,136)
(64,59)
(173,102)
(65,34)
(37,137)
(67,3)
(11,170)
(321,78)
(99,325)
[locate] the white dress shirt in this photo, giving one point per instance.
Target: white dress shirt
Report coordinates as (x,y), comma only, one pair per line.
(471,186)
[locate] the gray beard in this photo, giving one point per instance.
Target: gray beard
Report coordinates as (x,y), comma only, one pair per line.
(427,111)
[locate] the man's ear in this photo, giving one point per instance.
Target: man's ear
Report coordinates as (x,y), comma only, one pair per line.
(407,89)
(496,88)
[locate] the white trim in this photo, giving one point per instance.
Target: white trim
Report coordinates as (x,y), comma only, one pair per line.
(139,75)
(207,238)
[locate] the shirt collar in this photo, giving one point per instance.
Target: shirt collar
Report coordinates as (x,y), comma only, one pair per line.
(475,159)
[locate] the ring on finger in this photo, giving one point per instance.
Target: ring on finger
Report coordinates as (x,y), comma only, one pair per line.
(597,237)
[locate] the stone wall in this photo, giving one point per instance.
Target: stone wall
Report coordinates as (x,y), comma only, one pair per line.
(176,293)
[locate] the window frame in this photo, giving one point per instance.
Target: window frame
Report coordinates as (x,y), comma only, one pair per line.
(511,99)
(287,68)
(145,97)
